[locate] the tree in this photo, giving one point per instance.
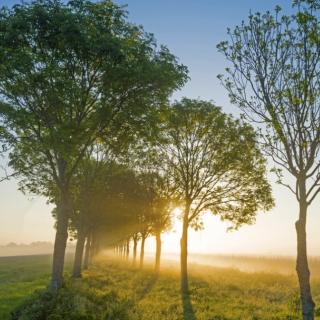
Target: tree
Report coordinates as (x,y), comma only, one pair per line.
(154,216)
(160,204)
(213,164)
(69,73)
(144,229)
(114,205)
(135,239)
(161,223)
(274,79)
(89,190)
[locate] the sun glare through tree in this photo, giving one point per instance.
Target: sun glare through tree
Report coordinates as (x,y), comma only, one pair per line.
(159,160)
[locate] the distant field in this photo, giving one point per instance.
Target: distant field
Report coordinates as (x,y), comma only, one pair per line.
(272,264)
(247,263)
(115,291)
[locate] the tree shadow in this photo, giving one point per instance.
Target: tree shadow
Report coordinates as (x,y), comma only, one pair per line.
(149,284)
(188,313)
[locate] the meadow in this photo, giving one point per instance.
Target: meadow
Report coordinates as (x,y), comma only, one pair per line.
(114,290)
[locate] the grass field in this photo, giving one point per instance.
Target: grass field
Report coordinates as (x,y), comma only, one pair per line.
(20,277)
(112,290)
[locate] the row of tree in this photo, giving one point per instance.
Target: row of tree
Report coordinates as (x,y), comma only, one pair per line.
(86,122)
(72,74)
(202,160)
(76,77)
(114,206)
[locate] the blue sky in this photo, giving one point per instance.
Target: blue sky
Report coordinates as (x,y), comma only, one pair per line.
(191,30)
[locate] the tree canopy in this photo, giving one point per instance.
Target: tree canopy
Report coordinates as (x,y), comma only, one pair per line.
(213,164)
(69,74)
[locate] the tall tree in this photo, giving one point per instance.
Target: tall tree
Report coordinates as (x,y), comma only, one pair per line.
(114,206)
(213,164)
(69,72)
(135,239)
(161,222)
(89,191)
(153,217)
(160,206)
(274,78)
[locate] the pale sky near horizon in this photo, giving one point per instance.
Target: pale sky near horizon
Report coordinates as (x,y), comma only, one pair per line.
(191,29)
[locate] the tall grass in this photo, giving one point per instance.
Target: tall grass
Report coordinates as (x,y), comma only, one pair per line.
(113,290)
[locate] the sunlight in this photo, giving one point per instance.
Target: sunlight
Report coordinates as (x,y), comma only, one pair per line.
(177,211)
(149,170)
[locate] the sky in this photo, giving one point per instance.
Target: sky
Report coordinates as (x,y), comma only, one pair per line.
(191,29)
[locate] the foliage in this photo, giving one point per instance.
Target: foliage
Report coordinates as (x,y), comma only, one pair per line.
(274,78)
(70,72)
(214,163)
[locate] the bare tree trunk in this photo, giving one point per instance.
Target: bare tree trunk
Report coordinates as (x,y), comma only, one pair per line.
(87,252)
(134,258)
(122,251)
(77,264)
(184,251)
(92,251)
(143,239)
(118,251)
(158,251)
(60,242)
(302,258)
(127,249)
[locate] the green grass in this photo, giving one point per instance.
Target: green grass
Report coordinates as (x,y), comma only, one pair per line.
(112,290)
(20,277)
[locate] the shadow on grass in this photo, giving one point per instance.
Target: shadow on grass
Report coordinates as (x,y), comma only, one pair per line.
(149,284)
(188,313)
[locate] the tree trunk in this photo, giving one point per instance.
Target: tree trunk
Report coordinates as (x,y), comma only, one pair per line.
(60,242)
(127,249)
(302,258)
(143,239)
(184,251)
(93,247)
(134,258)
(158,251)
(118,251)
(122,251)
(87,252)
(77,264)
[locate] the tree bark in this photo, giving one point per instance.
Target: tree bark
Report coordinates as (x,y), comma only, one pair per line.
(184,251)
(122,251)
(77,264)
(127,249)
(134,258)
(302,267)
(60,242)
(158,251)
(87,252)
(118,251)
(93,247)
(143,239)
